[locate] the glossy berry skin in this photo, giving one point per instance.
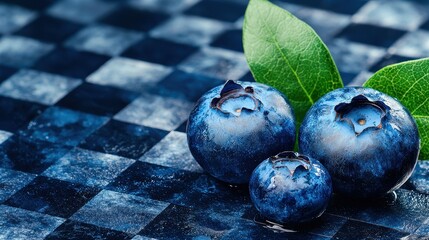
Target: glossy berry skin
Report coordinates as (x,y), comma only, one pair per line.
(290,188)
(366,139)
(236,126)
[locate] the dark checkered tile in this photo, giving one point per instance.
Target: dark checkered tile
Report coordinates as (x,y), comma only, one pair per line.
(140,20)
(17,113)
(231,39)
(69,62)
(97,99)
(33,156)
(77,230)
(36,5)
(326,225)
(184,223)
(6,72)
(353,229)
(247,77)
(49,29)
(53,197)
(211,195)
(336,6)
(120,212)
(73,167)
(63,126)
(123,139)
(406,215)
(159,51)
(153,181)
(251,230)
(371,34)
(389,60)
(184,85)
(218,9)
(16,223)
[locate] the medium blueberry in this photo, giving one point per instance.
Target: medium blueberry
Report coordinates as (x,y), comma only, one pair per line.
(290,188)
(366,139)
(236,126)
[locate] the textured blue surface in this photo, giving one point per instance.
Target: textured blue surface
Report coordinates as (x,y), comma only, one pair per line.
(94,97)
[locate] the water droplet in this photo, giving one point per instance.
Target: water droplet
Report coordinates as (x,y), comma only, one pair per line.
(390,198)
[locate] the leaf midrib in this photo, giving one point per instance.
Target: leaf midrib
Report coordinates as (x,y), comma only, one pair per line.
(276,43)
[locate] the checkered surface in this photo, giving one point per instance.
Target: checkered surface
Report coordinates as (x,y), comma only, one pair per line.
(94,97)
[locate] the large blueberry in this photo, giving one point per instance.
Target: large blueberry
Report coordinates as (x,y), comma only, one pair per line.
(236,126)
(290,188)
(366,139)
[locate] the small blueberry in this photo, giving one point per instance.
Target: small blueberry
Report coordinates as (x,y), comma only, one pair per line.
(290,188)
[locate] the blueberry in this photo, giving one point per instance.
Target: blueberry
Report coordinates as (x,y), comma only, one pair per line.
(290,188)
(236,126)
(366,139)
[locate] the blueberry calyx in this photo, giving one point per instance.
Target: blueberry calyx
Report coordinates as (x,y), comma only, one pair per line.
(235,99)
(362,114)
(294,162)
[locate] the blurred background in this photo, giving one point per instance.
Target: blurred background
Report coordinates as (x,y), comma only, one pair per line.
(94,98)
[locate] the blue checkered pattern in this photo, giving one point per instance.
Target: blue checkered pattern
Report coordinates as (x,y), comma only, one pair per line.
(94,97)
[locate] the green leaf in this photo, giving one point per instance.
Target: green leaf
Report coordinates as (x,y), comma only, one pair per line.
(409,83)
(286,53)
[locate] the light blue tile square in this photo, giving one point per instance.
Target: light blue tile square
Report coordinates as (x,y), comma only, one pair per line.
(13,18)
(190,30)
(11,181)
(167,6)
(354,57)
(413,44)
(4,136)
(326,24)
(81,11)
(118,211)
(360,79)
(38,87)
(104,39)
(216,62)
(21,52)
(16,223)
(129,74)
(87,167)
(406,15)
(172,151)
(156,111)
